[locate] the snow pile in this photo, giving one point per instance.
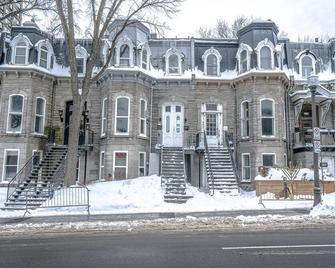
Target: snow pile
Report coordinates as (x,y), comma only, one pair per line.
(327,206)
(305,174)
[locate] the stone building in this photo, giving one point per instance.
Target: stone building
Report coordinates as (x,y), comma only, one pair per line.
(247,95)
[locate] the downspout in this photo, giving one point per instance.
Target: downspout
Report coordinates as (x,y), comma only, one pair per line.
(289,146)
(236,122)
(150,118)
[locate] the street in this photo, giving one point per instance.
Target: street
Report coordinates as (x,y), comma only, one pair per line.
(311,247)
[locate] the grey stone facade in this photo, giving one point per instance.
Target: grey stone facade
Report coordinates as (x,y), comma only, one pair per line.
(184,94)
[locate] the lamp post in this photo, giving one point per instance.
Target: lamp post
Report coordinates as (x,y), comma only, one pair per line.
(313,82)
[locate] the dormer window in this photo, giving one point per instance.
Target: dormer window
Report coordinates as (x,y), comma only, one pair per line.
(173,61)
(81,58)
(212,59)
(265,54)
(44,57)
(144,59)
(45,53)
(243,58)
(145,54)
(124,56)
(307,66)
(124,53)
(20,49)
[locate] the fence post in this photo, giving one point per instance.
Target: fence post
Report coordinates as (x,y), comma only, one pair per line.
(88,202)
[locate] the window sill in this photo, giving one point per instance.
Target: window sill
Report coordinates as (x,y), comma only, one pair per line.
(118,135)
(268,138)
(39,135)
(245,138)
(143,137)
(14,134)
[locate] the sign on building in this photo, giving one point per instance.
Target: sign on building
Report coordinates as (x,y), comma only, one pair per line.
(317,147)
(316,133)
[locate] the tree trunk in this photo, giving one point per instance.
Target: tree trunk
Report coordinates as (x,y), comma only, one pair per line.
(72,154)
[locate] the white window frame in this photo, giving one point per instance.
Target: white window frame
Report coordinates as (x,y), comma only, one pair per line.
(139,163)
(273,118)
(147,60)
(116,117)
(241,48)
(275,158)
(81,53)
(245,120)
(216,53)
(170,52)
(243,166)
(8,113)
(265,43)
(13,44)
(115,152)
(300,63)
(102,165)
(50,52)
(124,40)
(42,116)
(104,118)
(143,119)
(4,163)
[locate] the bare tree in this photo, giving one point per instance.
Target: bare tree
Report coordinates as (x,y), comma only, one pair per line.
(222,29)
(101,14)
(205,32)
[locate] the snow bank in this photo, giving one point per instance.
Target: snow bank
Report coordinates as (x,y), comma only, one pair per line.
(327,206)
(304,174)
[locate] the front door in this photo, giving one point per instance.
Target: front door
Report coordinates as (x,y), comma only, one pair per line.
(173,125)
(212,123)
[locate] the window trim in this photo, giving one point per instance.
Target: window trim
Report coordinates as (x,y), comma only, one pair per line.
(114,153)
(4,162)
(102,167)
(104,118)
(143,118)
(13,44)
(275,158)
(81,53)
(43,121)
(313,63)
(243,120)
(9,105)
(50,52)
(116,117)
(139,164)
(124,41)
(241,48)
(243,166)
(216,53)
(168,54)
(273,117)
(147,62)
(265,43)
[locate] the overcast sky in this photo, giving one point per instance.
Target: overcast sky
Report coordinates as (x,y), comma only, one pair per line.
(295,17)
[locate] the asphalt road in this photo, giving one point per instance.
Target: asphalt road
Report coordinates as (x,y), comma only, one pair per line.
(277,248)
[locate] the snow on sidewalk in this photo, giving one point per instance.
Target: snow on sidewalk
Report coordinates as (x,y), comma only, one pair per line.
(144,195)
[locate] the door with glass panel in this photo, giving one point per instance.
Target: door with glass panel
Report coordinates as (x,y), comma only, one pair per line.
(173,125)
(212,123)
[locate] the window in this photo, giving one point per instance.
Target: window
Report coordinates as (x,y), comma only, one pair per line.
(39,116)
(80,65)
(43,57)
(102,166)
(120,165)
(212,65)
(141,164)
(21,53)
(78,170)
(104,117)
(144,59)
(10,164)
(122,115)
(143,111)
(15,110)
(173,64)
(307,66)
(124,55)
(265,58)
(245,119)
(244,61)
(267,116)
(246,167)
(268,160)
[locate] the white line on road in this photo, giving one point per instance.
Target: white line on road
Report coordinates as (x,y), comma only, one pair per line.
(279,247)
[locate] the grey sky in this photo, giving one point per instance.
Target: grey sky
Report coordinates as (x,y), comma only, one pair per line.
(295,17)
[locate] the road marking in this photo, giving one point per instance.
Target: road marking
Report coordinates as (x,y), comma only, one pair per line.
(280,247)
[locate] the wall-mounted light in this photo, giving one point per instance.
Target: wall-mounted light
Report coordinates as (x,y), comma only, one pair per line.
(60,113)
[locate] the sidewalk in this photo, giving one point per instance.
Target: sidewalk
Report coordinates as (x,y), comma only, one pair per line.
(148,216)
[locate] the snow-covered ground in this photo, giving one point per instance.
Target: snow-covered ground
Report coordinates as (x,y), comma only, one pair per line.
(144,195)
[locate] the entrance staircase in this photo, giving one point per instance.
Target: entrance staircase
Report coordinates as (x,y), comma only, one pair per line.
(173,175)
(220,171)
(33,183)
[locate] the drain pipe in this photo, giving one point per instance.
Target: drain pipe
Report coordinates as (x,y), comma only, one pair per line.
(150,117)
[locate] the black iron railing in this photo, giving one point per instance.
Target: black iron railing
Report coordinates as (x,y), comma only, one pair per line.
(230,144)
(207,155)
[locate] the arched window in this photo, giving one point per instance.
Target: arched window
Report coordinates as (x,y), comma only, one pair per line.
(45,53)
(144,59)
(173,63)
(124,55)
(243,57)
(245,119)
(39,115)
(122,115)
(104,117)
(81,57)
(244,61)
(212,59)
(265,58)
(307,66)
(15,114)
(44,57)
(142,123)
(212,65)
(21,53)
(267,117)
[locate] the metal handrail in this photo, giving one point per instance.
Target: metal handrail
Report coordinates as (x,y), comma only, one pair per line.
(231,156)
(209,161)
(162,166)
